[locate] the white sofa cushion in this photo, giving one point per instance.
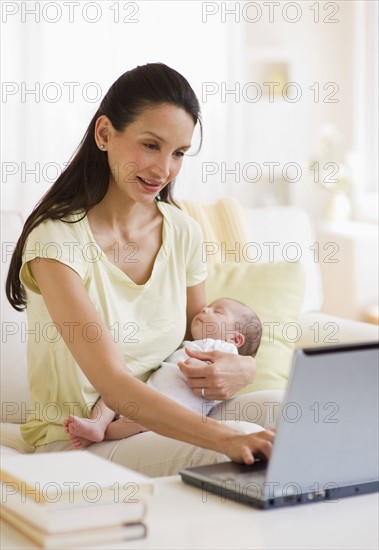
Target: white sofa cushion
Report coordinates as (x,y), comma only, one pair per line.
(281,233)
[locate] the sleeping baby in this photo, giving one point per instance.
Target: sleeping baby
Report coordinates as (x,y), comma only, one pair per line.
(226,324)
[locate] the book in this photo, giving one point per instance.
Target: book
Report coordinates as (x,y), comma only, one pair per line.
(55,519)
(78,478)
(75,539)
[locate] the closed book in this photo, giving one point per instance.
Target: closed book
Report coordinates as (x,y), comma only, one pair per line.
(73,478)
(95,537)
(55,519)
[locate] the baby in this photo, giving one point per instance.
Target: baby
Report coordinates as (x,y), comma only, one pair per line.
(226,325)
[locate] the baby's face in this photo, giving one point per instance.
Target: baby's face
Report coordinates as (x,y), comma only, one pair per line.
(217,321)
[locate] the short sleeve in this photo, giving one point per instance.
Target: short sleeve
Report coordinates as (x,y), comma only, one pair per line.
(227,347)
(54,240)
(196,265)
(209,344)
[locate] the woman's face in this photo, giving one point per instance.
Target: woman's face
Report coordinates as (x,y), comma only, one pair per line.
(148,154)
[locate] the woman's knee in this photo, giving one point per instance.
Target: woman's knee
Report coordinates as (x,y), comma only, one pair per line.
(154,455)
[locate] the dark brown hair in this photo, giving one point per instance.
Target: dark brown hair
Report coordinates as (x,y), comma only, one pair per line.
(85,180)
(250,326)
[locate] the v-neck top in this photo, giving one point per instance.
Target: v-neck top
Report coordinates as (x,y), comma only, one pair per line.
(147,321)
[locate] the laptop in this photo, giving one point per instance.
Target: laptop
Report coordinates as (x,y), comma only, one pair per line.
(326,443)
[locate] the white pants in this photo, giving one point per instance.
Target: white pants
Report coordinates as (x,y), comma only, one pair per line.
(155,455)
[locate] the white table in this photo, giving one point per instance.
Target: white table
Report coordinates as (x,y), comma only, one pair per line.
(180,516)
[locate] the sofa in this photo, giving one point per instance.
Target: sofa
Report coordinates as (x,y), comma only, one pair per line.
(271,230)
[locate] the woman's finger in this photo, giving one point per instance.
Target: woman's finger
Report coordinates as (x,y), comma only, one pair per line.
(193,371)
(202,355)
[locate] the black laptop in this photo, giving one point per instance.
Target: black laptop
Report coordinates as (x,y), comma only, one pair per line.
(326,445)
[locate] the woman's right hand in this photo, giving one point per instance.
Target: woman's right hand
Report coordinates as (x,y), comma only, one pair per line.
(217,373)
(247,448)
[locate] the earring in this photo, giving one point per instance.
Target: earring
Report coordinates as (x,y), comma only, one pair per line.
(101,146)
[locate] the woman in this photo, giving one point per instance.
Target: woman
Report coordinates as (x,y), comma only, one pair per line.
(112,275)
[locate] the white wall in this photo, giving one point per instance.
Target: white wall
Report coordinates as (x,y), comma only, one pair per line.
(287,131)
(217,50)
(40,135)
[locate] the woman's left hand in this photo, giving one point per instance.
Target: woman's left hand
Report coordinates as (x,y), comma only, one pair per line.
(217,375)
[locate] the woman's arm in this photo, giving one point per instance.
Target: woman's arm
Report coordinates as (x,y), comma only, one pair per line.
(101,361)
(195,301)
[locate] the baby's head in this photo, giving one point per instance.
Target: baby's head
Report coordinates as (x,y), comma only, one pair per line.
(231,321)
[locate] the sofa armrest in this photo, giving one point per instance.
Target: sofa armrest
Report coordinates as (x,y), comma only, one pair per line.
(319,329)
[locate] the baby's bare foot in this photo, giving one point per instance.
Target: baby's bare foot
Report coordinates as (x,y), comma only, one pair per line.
(84,428)
(66,422)
(80,442)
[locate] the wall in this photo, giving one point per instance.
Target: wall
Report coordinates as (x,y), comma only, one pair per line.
(55,73)
(221,48)
(317,56)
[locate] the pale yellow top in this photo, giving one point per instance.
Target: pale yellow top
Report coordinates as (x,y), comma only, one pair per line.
(148,321)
